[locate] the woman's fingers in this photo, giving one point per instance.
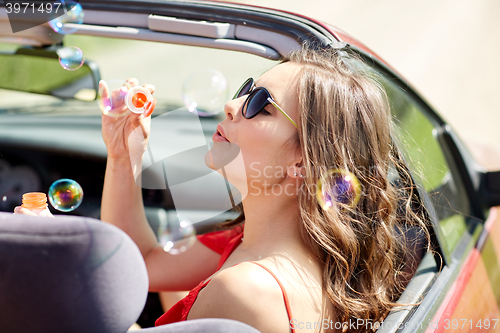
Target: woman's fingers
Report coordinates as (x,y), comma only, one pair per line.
(150,108)
(104,98)
(150,87)
(135,119)
(103,89)
(119,94)
(24,211)
(132,82)
(117,97)
(46,213)
(151,104)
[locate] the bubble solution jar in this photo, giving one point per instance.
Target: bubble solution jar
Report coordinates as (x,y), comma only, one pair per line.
(137,99)
(35,202)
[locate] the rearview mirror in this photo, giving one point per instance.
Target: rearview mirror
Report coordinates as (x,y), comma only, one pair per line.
(39,71)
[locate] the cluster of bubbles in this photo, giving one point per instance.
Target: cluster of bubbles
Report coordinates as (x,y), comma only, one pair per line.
(71,58)
(177,235)
(65,195)
(338,186)
(205,92)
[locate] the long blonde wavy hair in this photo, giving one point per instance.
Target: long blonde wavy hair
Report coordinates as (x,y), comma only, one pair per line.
(344,123)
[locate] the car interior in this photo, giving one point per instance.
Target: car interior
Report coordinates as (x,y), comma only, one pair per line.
(50,131)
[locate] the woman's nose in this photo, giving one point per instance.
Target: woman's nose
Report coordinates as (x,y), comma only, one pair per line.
(232,108)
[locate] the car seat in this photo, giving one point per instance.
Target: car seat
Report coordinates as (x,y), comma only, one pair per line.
(73,274)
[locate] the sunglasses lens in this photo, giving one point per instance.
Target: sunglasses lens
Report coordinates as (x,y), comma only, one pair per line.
(244,89)
(256,101)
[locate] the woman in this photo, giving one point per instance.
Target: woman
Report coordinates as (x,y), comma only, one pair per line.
(295,264)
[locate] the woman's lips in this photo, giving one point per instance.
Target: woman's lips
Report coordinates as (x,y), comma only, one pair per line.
(217,137)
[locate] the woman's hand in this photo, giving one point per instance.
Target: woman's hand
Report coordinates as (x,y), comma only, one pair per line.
(125,133)
(25,211)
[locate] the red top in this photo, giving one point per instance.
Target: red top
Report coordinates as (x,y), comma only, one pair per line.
(223,242)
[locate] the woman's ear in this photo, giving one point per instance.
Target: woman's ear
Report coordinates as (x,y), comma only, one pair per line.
(296,171)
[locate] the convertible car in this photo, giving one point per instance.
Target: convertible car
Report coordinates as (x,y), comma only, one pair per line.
(50,128)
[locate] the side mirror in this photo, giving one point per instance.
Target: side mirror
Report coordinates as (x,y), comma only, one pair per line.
(39,71)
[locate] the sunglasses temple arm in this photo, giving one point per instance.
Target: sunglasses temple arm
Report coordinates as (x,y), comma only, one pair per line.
(270,100)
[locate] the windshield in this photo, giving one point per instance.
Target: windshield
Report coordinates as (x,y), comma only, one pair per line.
(176,72)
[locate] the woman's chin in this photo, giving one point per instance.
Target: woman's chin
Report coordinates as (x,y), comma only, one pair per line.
(226,159)
(221,154)
(208,160)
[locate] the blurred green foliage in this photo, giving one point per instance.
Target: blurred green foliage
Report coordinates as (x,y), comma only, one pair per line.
(414,131)
(36,74)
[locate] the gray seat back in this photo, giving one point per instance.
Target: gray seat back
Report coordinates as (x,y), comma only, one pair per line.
(68,274)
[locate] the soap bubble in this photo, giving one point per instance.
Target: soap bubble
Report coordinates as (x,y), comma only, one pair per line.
(113,103)
(69,21)
(65,195)
(205,92)
(71,58)
(177,236)
(339,186)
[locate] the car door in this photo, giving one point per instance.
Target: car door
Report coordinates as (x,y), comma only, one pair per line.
(458,288)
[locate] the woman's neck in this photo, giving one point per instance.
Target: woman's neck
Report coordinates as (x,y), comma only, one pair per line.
(272,223)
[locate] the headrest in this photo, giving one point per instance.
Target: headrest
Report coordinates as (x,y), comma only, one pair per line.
(68,274)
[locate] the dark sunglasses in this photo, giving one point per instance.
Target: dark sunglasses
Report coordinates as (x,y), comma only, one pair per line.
(257,100)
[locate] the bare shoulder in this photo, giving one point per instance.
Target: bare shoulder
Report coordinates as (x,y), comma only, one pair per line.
(246,293)
(180,272)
